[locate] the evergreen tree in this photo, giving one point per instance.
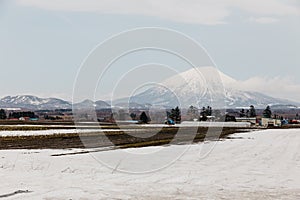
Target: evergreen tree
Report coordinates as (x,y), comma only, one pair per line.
(267,112)
(2,114)
(133,116)
(242,113)
(175,115)
(144,118)
(203,114)
(209,111)
(252,111)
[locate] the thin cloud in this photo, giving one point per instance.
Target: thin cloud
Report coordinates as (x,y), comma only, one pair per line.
(208,12)
(263,20)
(280,87)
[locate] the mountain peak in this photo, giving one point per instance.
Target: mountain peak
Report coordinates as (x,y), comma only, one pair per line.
(197,87)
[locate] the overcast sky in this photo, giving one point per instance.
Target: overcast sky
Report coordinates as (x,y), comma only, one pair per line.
(44,42)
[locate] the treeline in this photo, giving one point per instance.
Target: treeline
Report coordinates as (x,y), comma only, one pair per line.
(248,113)
(17,115)
(207,113)
(22,114)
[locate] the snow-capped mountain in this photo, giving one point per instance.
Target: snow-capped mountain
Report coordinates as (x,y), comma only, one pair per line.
(33,102)
(202,87)
(36,103)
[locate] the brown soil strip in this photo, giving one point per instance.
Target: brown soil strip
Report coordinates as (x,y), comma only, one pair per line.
(118,139)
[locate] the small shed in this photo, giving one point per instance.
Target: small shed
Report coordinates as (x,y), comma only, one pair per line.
(270,122)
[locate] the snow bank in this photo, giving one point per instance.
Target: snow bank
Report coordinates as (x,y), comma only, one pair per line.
(255,165)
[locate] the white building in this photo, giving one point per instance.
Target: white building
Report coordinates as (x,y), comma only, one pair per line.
(270,122)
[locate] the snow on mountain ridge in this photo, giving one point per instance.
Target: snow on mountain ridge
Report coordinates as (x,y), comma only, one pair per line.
(204,86)
(22,99)
(36,103)
(33,102)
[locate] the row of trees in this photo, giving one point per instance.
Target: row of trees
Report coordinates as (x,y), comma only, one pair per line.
(174,114)
(267,113)
(205,112)
(3,114)
(193,113)
(22,114)
(249,113)
(123,115)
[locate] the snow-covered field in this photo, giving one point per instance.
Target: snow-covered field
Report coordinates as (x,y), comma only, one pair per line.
(57,131)
(254,165)
(204,124)
(82,129)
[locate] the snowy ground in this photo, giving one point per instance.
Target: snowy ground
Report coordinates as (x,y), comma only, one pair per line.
(204,124)
(57,131)
(255,165)
(82,129)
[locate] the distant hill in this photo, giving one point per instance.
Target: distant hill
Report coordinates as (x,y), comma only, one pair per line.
(33,102)
(36,103)
(91,104)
